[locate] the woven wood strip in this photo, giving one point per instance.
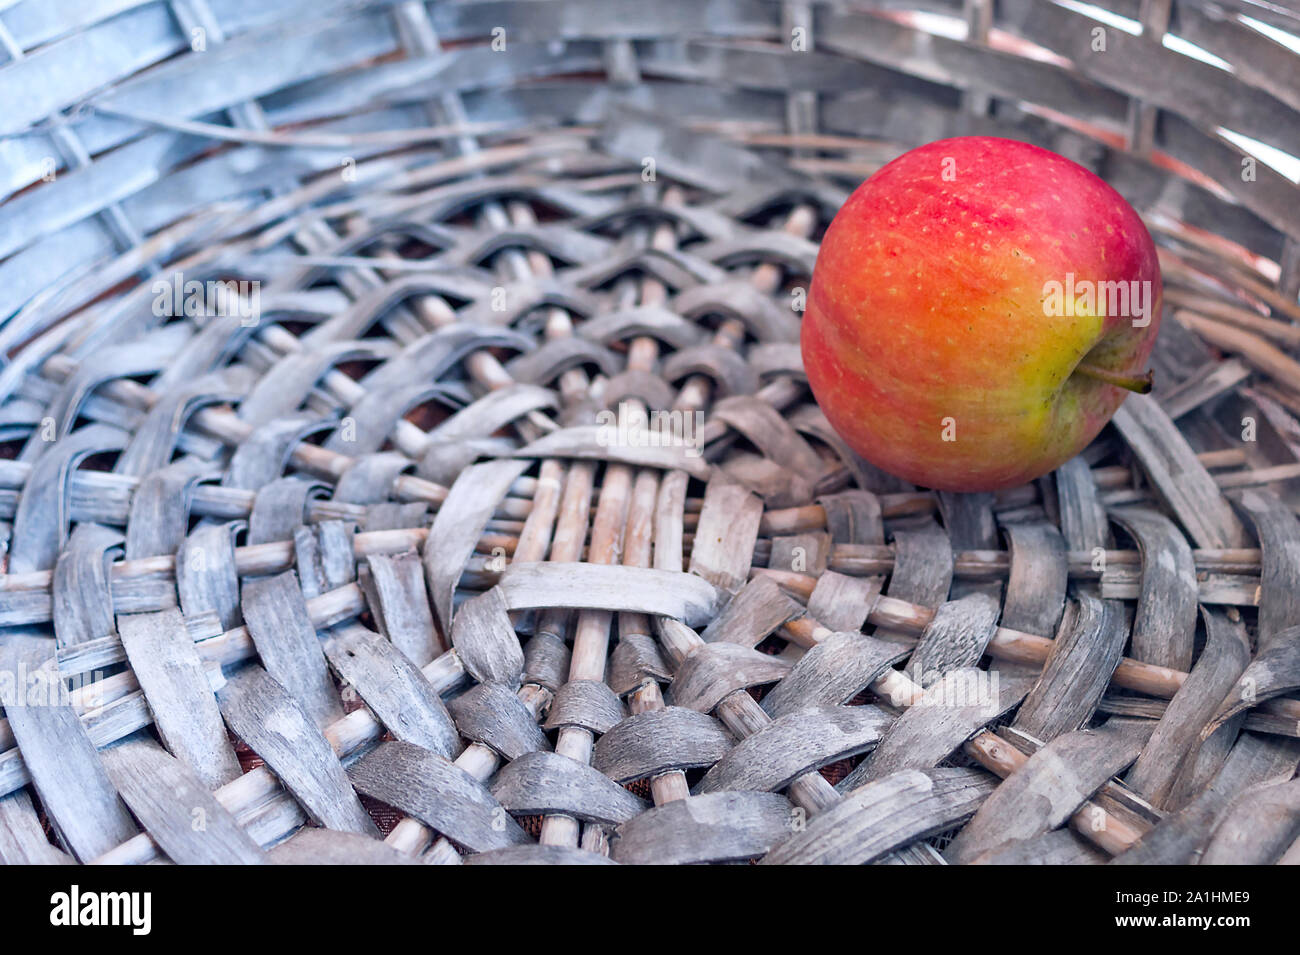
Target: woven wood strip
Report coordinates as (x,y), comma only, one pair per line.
(162,655)
(394,688)
(1050,787)
(310,846)
(58,753)
(177,808)
(933,727)
(280,730)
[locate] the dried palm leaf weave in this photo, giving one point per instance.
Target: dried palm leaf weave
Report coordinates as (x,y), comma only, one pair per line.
(476,509)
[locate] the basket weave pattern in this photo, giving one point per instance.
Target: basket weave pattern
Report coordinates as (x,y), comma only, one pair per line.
(410,456)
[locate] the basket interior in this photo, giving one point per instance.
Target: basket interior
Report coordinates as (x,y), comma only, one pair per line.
(321,318)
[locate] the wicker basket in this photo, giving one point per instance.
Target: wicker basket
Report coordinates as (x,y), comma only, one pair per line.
(322,317)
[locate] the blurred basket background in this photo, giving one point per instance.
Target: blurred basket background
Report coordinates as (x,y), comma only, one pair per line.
(435,241)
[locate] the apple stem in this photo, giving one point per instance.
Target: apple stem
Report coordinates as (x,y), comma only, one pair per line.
(1139,384)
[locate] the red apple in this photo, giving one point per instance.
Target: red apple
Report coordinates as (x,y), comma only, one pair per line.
(979,309)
